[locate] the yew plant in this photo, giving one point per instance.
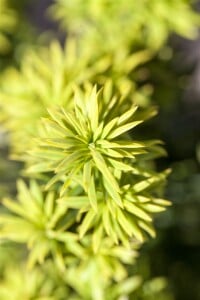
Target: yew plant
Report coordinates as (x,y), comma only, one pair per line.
(89,189)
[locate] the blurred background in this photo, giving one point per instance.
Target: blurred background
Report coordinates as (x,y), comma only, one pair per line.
(175,75)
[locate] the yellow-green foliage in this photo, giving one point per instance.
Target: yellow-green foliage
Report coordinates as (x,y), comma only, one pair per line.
(90,145)
(48,284)
(45,226)
(47,78)
(35,222)
(72,114)
(98,208)
(109,24)
(39,284)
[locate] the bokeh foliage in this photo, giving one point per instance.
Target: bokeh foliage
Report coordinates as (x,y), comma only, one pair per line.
(72,114)
(144,24)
